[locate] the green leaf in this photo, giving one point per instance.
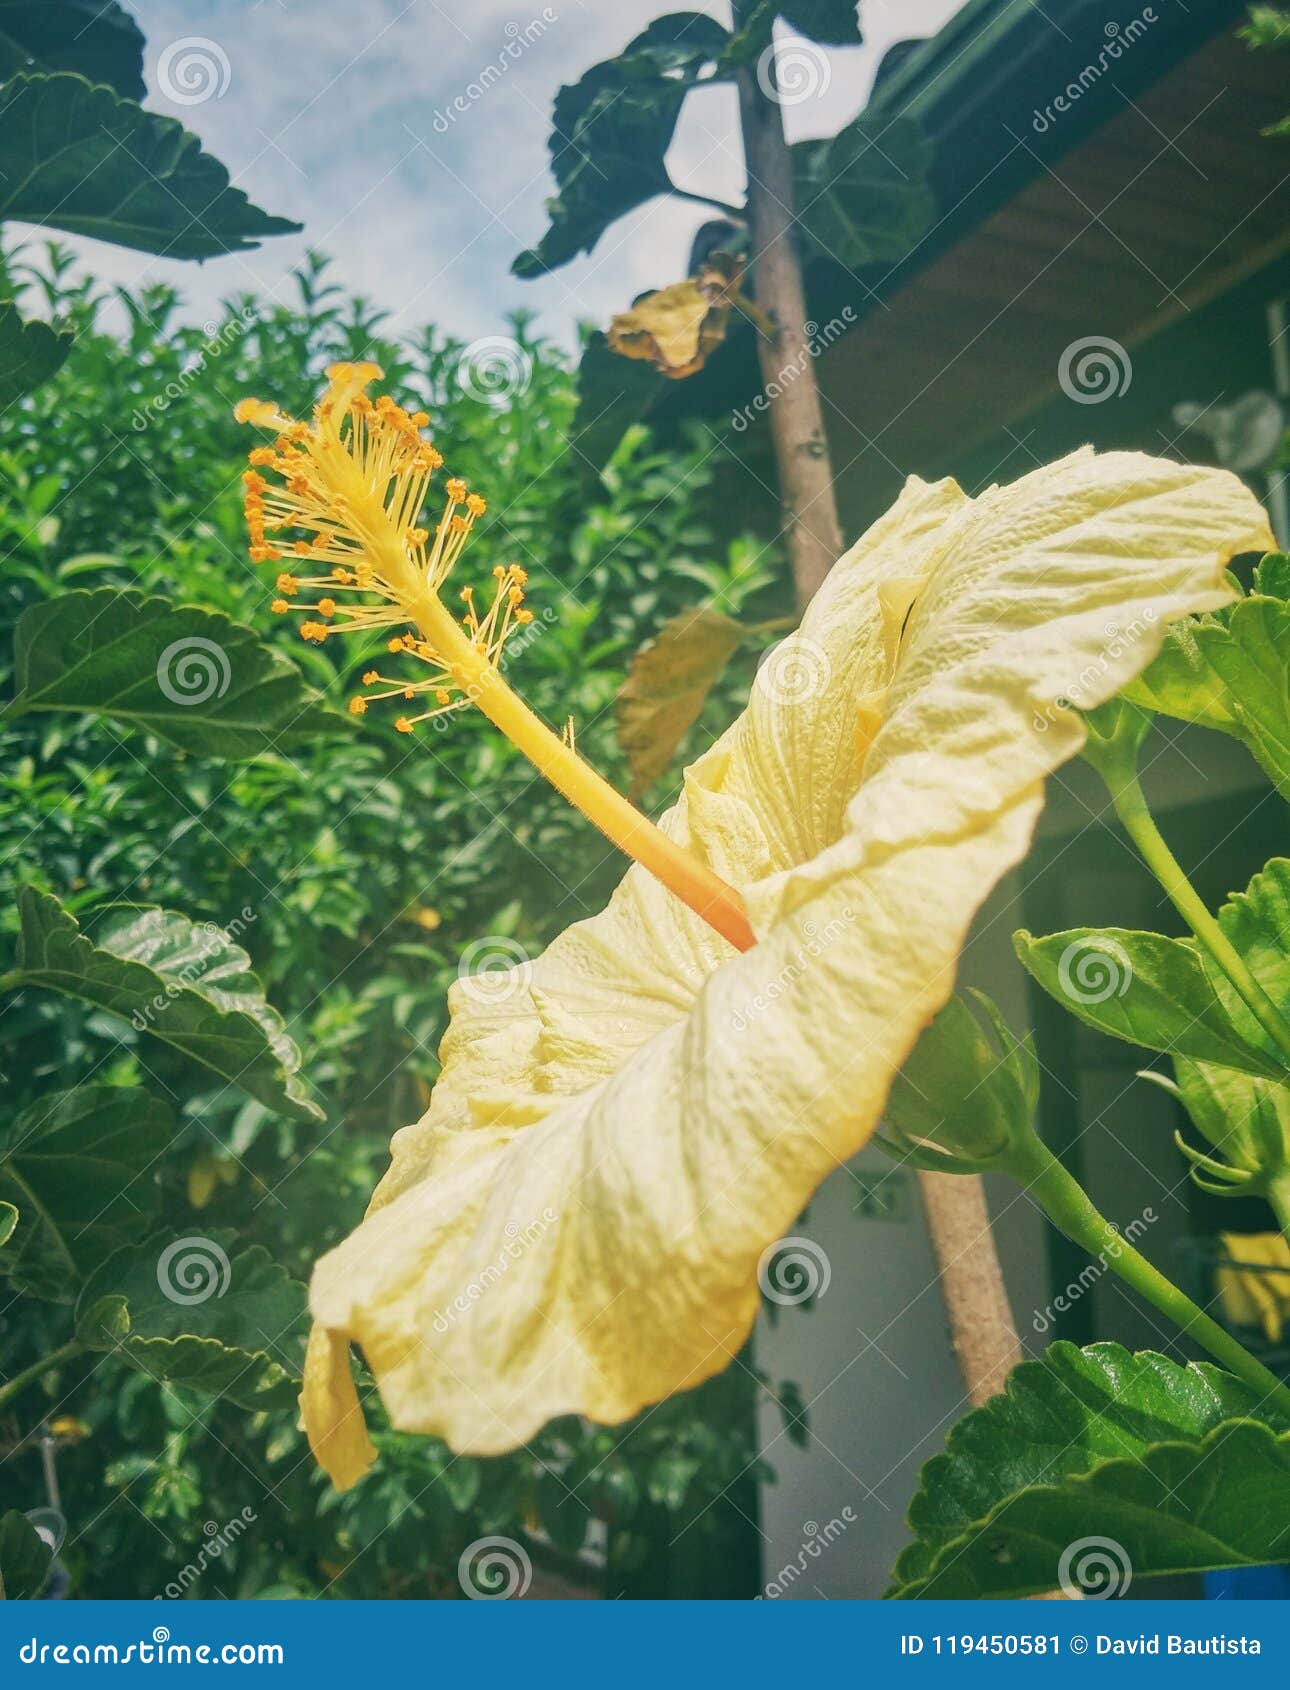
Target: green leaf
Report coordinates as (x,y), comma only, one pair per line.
(24,1557)
(186,984)
(8,1221)
(611,129)
(79,1165)
(1144,988)
(1231,671)
(30,352)
(1180,683)
(1249,651)
(1257,921)
(201,1317)
(95,37)
(1272,575)
(1168,1462)
(835,22)
(199,680)
(864,197)
(670,1477)
(74,156)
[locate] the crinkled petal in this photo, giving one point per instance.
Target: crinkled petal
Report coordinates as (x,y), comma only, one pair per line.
(576,1224)
(330,1410)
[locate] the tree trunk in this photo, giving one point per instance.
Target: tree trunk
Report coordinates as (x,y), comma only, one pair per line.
(981,1324)
(787,362)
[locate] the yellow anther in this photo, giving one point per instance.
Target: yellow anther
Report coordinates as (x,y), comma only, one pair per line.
(357,706)
(258,412)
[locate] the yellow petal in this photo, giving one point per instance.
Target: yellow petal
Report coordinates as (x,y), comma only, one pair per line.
(575,1226)
(331,1413)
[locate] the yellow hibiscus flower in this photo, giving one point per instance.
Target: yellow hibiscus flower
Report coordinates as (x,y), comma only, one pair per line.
(622,1126)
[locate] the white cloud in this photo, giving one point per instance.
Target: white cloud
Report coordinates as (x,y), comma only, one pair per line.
(329,117)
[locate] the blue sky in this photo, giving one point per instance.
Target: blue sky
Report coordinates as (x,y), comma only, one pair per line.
(339,113)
